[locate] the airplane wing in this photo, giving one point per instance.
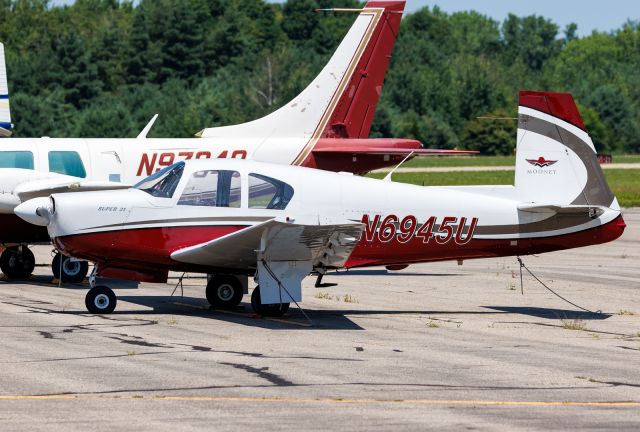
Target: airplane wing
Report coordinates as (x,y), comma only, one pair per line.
(283,253)
(328,244)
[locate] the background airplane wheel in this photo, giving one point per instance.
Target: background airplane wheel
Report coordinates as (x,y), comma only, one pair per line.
(100,300)
(224,291)
(16,264)
(72,271)
(269,310)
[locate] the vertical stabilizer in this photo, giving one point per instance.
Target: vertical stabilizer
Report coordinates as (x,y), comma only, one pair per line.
(556,160)
(5,114)
(341,101)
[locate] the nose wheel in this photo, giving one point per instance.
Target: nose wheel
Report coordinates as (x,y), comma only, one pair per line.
(224,291)
(267,310)
(100,300)
(68,269)
(17,262)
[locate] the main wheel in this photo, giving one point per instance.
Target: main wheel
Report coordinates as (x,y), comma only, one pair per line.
(17,263)
(268,310)
(224,291)
(100,300)
(72,270)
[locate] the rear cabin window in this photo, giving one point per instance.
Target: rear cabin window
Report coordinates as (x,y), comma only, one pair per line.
(16,159)
(66,162)
(268,193)
(212,188)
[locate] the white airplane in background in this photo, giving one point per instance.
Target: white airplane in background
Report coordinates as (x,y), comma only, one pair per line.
(5,113)
(281,223)
(326,127)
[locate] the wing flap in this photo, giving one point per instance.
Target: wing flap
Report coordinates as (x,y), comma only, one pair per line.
(379,151)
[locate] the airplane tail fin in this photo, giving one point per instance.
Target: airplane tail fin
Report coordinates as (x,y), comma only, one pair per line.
(5,114)
(341,101)
(556,161)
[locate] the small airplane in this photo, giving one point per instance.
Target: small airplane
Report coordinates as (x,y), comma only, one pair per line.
(326,126)
(282,223)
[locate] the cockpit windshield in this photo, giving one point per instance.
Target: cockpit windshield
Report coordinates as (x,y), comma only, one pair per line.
(163,183)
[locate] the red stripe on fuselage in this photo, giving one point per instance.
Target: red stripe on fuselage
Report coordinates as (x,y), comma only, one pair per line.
(143,247)
(150,248)
(375,253)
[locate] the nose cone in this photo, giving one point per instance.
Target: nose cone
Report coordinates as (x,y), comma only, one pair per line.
(36,211)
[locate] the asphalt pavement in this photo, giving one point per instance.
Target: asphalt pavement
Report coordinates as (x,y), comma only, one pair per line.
(436,346)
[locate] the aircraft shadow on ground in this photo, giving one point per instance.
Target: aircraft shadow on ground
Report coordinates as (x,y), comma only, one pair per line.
(551,313)
(383,272)
(243,315)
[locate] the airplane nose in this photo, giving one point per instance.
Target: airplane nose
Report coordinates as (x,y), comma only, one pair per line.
(36,211)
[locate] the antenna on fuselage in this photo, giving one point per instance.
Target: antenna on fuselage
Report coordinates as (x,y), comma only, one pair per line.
(147,128)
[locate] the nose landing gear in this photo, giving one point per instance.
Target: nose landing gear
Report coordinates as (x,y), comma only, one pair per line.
(100,300)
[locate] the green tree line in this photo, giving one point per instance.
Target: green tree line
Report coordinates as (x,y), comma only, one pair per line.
(102,68)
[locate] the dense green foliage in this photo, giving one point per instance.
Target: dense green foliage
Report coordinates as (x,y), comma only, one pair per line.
(104,67)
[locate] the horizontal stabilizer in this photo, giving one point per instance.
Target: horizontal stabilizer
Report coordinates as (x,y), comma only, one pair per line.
(592,211)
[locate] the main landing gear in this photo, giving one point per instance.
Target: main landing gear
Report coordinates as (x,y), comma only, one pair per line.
(267,310)
(69,269)
(17,262)
(224,291)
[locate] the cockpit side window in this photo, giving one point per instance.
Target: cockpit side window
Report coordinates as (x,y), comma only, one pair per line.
(268,193)
(66,162)
(213,189)
(162,184)
(16,159)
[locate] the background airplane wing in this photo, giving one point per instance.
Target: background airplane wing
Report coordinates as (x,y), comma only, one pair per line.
(327,244)
(43,188)
(362,150)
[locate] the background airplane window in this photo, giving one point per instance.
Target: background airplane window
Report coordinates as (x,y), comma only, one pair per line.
(16,159)
(212,189)
(268,193)
(66,162)
(163,183)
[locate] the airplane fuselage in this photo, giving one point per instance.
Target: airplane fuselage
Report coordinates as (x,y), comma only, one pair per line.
(132,234)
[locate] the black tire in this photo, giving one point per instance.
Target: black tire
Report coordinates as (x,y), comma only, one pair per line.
(17,265)
(100,300)
(269,310)
(72,271)
(224,291)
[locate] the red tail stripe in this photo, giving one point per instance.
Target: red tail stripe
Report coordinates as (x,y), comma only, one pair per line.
(560,105)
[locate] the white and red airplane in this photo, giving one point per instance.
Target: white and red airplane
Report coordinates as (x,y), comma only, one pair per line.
(281,223)
(326,127)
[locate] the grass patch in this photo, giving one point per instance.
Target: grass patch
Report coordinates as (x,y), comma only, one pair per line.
(625,312)
(625,183)
(574,325)
(432,324)
(323,295)
(349,299)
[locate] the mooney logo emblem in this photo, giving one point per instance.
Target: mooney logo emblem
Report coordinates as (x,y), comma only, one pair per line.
(541,162)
